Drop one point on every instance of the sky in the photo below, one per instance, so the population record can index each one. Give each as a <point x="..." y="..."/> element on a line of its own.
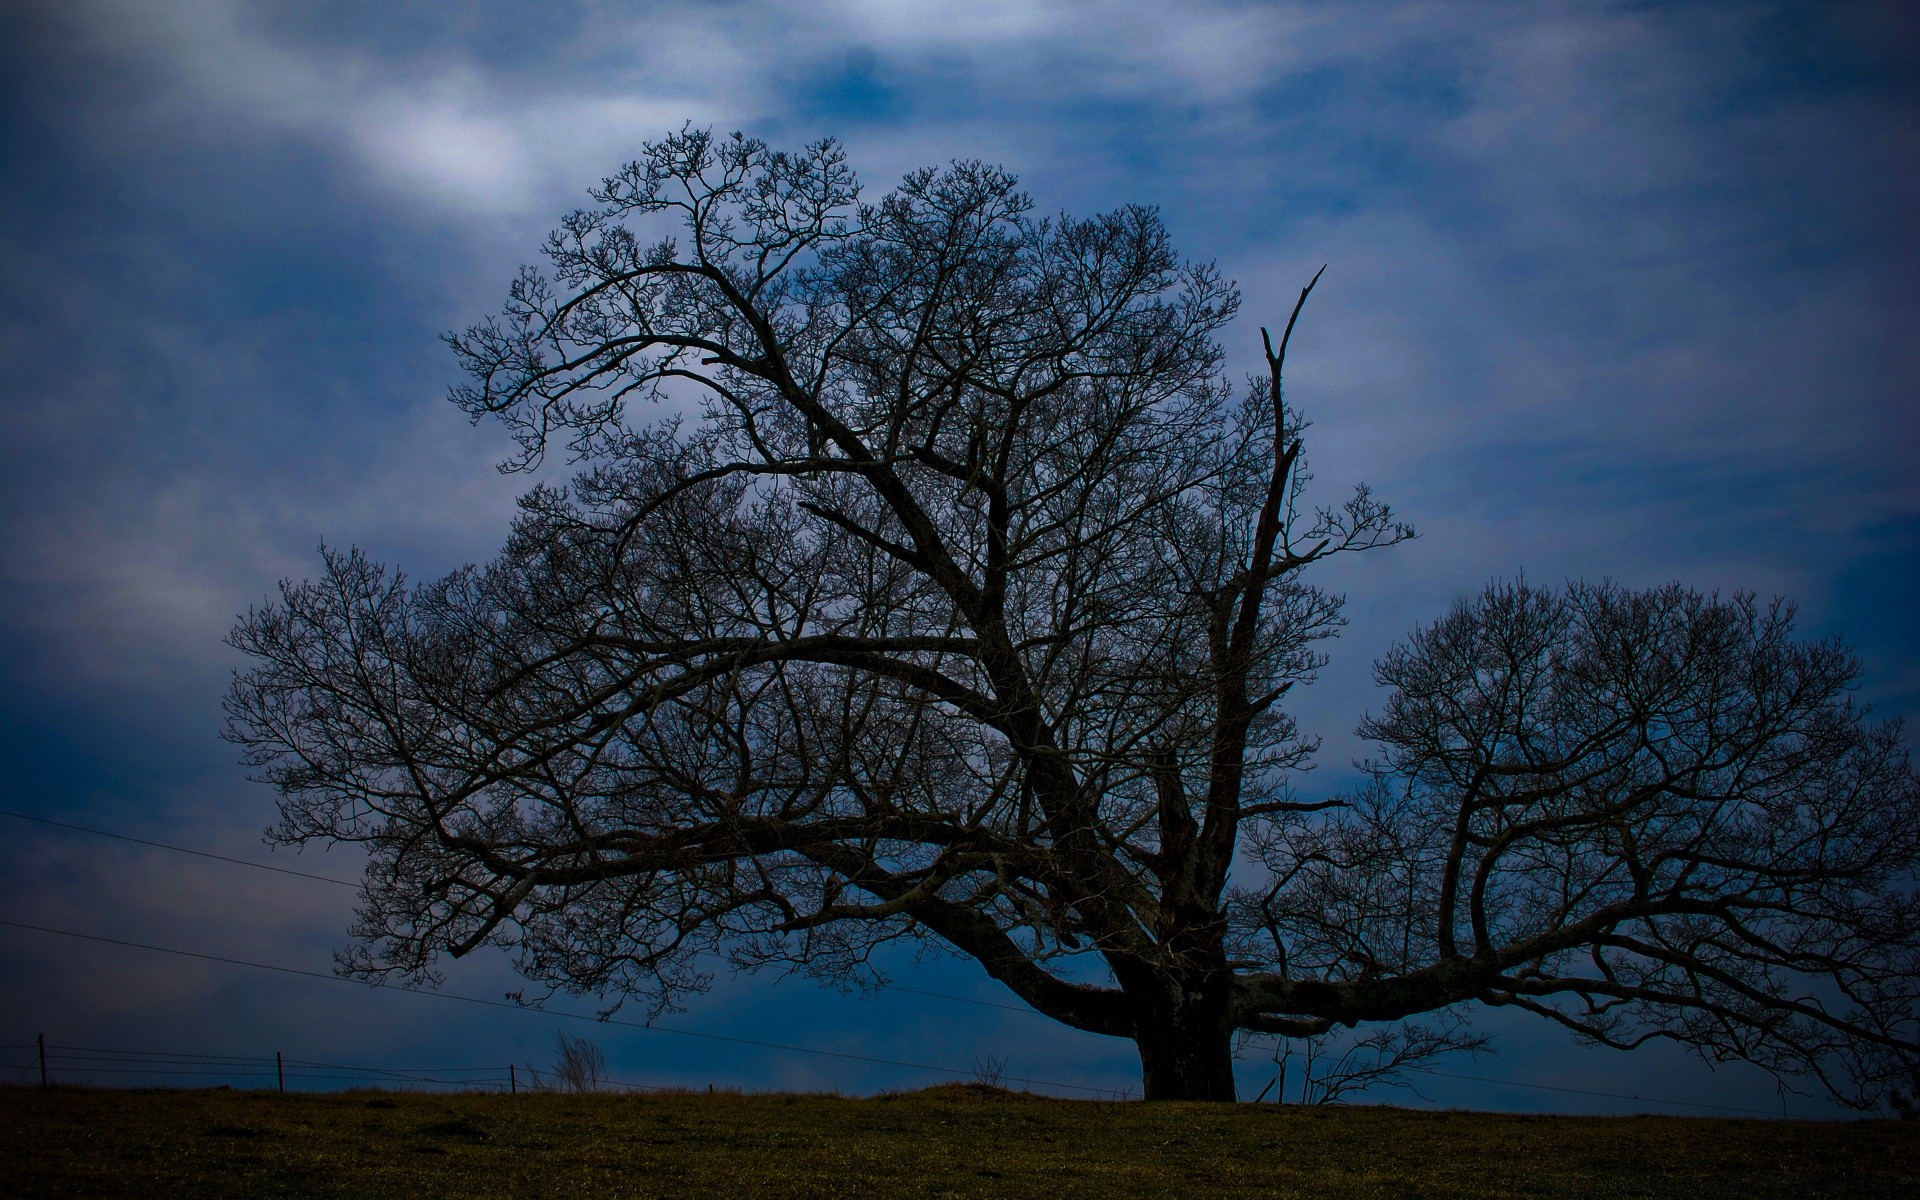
<point x="1625" y="291"/>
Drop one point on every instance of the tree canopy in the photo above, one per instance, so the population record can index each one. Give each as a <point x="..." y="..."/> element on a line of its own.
<point x="924" y="578"/>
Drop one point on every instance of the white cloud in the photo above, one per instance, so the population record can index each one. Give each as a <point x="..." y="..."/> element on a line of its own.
<point x="1167" y="53"/>
<point x="438" y="129"/>
<point x="463" y="159"/>
<point x="444" y="129"/>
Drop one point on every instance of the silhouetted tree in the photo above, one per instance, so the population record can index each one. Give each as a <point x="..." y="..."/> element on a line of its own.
<point x="958" y="607"/>
<point x="578" y="1066"/>
<point x="1640" y="815"/>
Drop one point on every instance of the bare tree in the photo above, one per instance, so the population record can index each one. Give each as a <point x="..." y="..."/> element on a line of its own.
<point x="990" y="1071"/>
<point x="578" y="1066"/>
<point x="957" y="606"/>
<point x="1637" y="814"/>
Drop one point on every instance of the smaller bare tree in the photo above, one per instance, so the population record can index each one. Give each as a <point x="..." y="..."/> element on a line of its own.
<point x="578" y="1066"/>
<point x="990" y="1070"/>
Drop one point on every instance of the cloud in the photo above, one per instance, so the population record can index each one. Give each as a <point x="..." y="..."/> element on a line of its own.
<point x="444" y="130"/>
<point x="439" y="125"/>
<point x="1173" y="55"/>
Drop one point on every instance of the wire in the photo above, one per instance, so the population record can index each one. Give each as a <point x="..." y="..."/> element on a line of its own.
<point x="89" y="1061"/>
<point x="1547" y="1087"/>
<point x="190" y="1058"/>
<point x="184" y="1070"/>
<point x="121" y="837"/>
<point x="1022" y="1009"/>
<point x="710" y="1037"/>
<point x="372" y="1077"/>
<point x="302" y="1062"/>
<point x="182" y="1062"/>
<point x="89" y="1051"/>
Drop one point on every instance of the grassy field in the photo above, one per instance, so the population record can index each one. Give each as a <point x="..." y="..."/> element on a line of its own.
<point x="955" y="1141"/>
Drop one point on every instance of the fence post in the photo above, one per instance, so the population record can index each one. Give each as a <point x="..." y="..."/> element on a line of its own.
<point x="513" y="1081"/>
<point x="280" y="1069"/>
<point x="42" y="1040"/>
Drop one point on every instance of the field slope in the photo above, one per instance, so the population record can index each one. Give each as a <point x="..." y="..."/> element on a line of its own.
<point x="957" y="1141"/>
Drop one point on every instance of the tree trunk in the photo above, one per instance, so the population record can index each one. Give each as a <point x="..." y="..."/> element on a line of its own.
<point x="1186" y="1052"/>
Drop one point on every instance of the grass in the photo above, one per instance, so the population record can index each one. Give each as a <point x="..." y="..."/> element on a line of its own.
<point x="949" y="1141"/>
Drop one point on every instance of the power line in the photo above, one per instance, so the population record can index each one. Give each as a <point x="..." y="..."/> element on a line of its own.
<point x="1022" y="1009"/>
<point x="710" y="1037"/>
<point x="89" y="1054"/>
<point x="1547" y="1087"/>
<point x="304" y="1062"/>
<point x="85" y="1061"/>
<point x="89" y="1062"/>
<point x="267" y="1072"/>
<point x="121" y="837"/>
<point x="251" y="1066"/>
<point x="109" y="1053"/>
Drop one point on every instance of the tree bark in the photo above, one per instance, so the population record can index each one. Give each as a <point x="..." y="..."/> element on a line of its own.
<point x="1186" y="1049"/>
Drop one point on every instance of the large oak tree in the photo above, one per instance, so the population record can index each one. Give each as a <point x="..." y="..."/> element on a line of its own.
<point x="957" y="602"/>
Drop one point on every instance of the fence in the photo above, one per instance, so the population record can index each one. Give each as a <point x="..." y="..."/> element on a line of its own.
<point x="50" y="1063"/>
<point x="84" y="1065"/>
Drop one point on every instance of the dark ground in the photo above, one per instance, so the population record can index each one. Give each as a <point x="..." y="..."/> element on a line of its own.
<point x="951" y="1141"/>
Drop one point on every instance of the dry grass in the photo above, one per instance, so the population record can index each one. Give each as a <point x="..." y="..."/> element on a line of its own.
<point x="952" y="1141"/>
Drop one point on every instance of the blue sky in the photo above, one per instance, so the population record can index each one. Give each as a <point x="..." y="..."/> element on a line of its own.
<point x="1620" y="290"/>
